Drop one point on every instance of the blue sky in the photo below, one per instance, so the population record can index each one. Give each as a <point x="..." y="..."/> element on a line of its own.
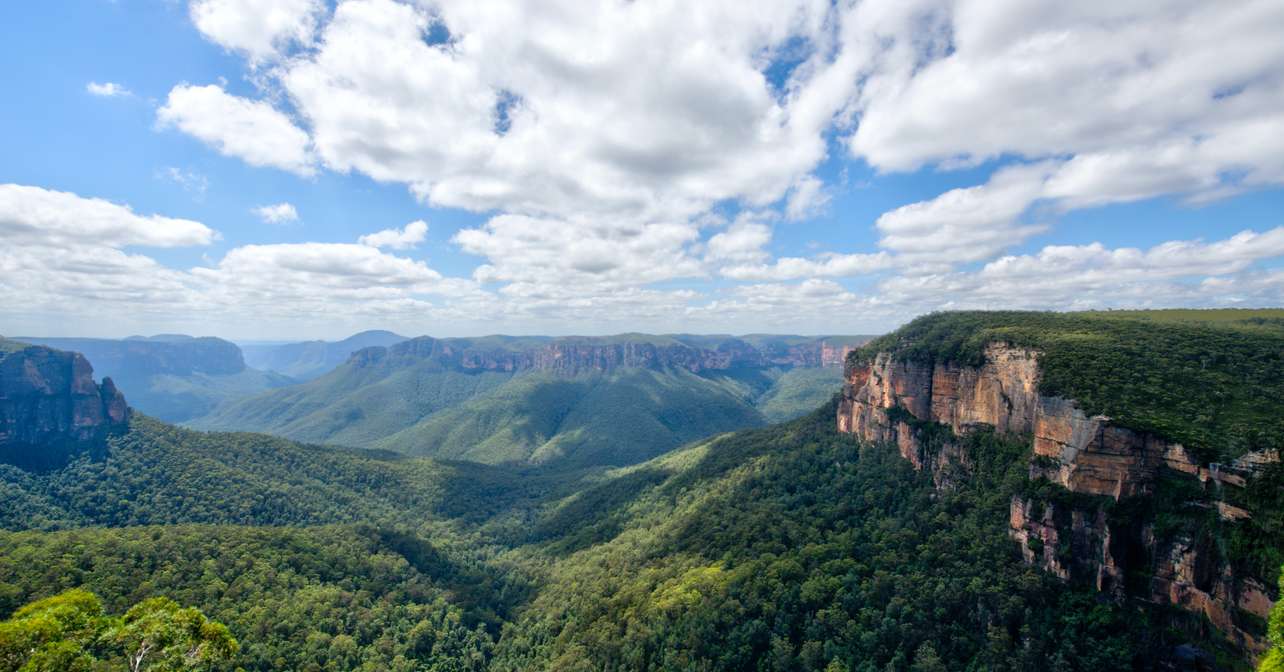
<point x="745" y="168"/>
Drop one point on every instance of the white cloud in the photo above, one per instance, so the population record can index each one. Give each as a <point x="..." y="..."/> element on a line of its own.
<point x="1105" y="103"/>
<point x="251" y="130"/>
<point x="36" y="216"/>
<point x="63" y="254"/>
<point x="280" y="213"/>
<point x="1046" y="78"/>
<point x="742" y="242"/>
<point x="584" y="134"/>
<point x="966" y="225"/>
<point x="107" y="89"/>
<point x="398" y="239"/>
<point x="590" y="256"/>
<point x="1174" y="273"/>
<point x="191" y="181"/>
<point x="600" y="180"/>
<point x="827" y="265"/>
<point x="808" y="197"/>
<point x="261" y="29"/>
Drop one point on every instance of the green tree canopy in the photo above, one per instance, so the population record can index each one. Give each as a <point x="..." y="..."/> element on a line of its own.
<point x="70" y="633"/>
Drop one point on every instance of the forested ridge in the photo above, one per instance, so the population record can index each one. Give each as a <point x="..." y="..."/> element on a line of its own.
<point x="790" y="547"/>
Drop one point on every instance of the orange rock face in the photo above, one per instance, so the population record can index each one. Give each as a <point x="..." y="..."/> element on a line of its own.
<point x="1085" y="454"/>
<point x="1090" y="455"/>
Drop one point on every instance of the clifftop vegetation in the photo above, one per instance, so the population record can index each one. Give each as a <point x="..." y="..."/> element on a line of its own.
<point x="1211" y="380"/>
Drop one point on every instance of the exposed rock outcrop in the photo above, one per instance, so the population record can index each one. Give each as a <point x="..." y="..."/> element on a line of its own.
<point x="51" y="409"/>
<point x="896" y="401"/>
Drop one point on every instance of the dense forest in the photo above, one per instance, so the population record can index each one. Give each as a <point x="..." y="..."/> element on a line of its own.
<point x="789" y="547"/>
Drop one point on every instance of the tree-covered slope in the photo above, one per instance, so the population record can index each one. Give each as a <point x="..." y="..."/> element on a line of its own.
<point x="1209" y="379"/>
<point x="319" y="598"/>
<point x="795" y="548"/>
<point x="786" y="548"/>
<point x="162" y="474"/>
<point x="623" y="417"/>
<point x="575" y="401"/>
<point x="353" y="405"/>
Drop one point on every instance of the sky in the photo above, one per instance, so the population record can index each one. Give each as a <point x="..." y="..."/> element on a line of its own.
<point x="296" y="169"/>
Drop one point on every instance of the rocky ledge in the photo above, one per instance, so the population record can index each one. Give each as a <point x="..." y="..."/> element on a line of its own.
<point x="900" y="402"/>
<point x="51" y="409"/>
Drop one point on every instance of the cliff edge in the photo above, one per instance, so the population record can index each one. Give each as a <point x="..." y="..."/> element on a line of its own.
<point x="1128" y="510"/>
<point x="50" y="407"/>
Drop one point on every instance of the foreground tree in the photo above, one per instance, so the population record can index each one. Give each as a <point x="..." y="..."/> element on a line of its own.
<point x="70" y="633"/>
<point x="1274" y="659"/>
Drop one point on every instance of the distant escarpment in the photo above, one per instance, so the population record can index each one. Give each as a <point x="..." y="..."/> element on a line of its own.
<point x="174" y="355"/>
<point x="51" y="409"/>
<point x="309" y="359"/>
<point x="171" y="377"/>
<point x="603" y="355"/>
<point x="577" y="401"/>
<point x="1127" y="491"/>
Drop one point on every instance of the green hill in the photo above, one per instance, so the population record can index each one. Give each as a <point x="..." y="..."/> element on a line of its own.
<point x="591" y="419"/>
<point x="573" y="401"/>
<point x="159" y="474"/>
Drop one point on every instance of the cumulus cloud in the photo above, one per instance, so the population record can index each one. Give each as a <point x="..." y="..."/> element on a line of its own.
<point x="64" y="252"/>
<point x="515" y="114"/>
<point x="260" y="29"/>
<point x="966" y="225"/>
<point x="827" y="265"/>
<point x="250" y="130"/>
<point x="807" y="198"/>
<point x="1174" y="273"/>
<point x="280" y="213"/>
<point x="1103" y="103"/>
<point x="107" y="89"/>
<point x="600" y="180"/>
<point x="742" y="242"/>
<point x="590" y="256"/>
<point x="37" y="216"/>
<point x="398" y="239"/>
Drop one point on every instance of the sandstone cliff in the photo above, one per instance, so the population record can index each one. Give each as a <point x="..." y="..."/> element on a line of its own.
<point x="51" y="409"/>
<point x="908" y="404"/>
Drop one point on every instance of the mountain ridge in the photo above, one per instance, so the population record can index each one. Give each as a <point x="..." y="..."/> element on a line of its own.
<point x="422" y="395"/>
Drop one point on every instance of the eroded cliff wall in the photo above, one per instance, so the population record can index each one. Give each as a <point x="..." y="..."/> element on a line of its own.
<point x="51" y="409"/>
<point x="907" y="403"/>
